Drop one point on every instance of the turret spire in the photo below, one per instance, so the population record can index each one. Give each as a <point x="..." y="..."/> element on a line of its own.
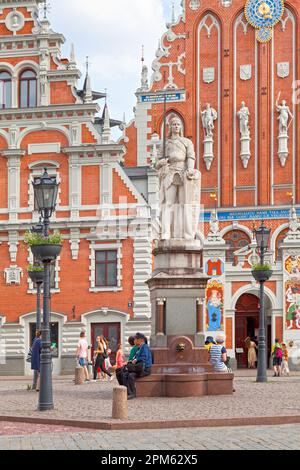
<point x="106" y="123"/>
<point x="87" y="89"/>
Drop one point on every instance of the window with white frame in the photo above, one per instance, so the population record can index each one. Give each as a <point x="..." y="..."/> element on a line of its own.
<point x="105" y="267"/>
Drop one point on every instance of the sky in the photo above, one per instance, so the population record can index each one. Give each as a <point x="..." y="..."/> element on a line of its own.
<point x="111" y="33"/>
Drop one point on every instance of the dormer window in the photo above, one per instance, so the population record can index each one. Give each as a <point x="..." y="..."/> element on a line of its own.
<point x="28" y="89"/>
<point x="5" y="90"/>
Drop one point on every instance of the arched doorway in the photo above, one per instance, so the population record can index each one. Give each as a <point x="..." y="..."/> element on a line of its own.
<point x="247" y="324"/>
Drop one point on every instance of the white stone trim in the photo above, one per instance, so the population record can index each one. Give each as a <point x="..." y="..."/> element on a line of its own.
<point x="106" y="183"/>
<point x="142" y="264"/>
<point x="275" y="234"/>
<point x="28" y="318"/>
<point x="236" y="226"/>
<point x="100" y="246"/>
<point x="54" y="147"/>
<point x="34" y="173"/>
<point x="44" y="125"/>
<point x="250" y="289"/>
<point x="105" y="315"/>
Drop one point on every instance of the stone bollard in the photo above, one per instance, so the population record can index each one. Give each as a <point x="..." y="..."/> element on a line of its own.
<point x="120" y="406"/>
<point x="79" y="375"/>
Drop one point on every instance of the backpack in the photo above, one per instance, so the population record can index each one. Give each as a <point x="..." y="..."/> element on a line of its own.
<point x="278" y="353"/>
<point x="29" y="355"/>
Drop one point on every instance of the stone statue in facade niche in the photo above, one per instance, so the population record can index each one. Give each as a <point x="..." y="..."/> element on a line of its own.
<point x="179" y="186"/>
<point x="283" y="137"/>
<point x="283" y="118"/>
<point x="209" y="115"/>
<point x="243" y="115"/>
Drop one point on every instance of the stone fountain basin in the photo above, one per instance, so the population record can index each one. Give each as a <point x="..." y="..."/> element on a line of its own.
<point x="185" y="385"/>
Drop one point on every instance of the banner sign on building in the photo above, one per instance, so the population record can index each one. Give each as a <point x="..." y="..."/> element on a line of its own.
<point x="160" y="97"/>
<point x="251" y="215"/>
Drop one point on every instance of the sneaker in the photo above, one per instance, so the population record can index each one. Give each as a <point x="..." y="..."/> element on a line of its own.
<point x="111" y="378"/>
<point x="131" y="397"/>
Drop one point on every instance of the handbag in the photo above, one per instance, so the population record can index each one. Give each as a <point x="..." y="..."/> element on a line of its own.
<point x="29" y="355"/>
<point x="137" y="368"/>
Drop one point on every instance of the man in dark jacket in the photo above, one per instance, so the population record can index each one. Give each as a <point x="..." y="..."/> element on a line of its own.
<point x="139" y="367"/>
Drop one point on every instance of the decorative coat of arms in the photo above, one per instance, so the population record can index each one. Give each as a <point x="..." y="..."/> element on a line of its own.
<point x="209" y="75"/>
<point x="283" y="69"/>
<point x="246" y="72"/>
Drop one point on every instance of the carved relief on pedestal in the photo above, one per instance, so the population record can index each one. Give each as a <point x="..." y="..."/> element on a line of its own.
<point x="13" y="275"/>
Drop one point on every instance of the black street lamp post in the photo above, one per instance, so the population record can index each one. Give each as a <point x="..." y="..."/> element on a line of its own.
<point x="38" y="228"/>
<point x="262" y="275"/>
<point x="45" y="193"/>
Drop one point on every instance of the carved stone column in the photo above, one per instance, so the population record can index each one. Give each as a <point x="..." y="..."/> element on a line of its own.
<point x="75" y="186"/>
<point x="13" y="164"/>
<point x="199" y="316"/>
<point x="160" y="312"/>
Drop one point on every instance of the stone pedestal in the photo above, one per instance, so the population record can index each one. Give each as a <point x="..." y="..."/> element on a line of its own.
<point x="208" y="153"/>
<point x="177" y="287"/>
<point x="283" y="150"/>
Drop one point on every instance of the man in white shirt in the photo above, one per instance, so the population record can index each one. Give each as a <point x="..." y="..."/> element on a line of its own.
<point x="82" y="354"/>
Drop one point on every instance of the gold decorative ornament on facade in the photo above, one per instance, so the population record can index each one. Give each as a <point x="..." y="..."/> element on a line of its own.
<point x="263" y="15"/>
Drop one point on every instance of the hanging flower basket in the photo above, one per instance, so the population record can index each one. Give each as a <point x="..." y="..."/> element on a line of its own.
<point x="46" y="252"/>
<point x="36" y="276"/>
<point x="262" y="275"/>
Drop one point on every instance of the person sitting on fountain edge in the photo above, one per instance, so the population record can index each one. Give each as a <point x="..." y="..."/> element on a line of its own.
<point x="139" y="367"/>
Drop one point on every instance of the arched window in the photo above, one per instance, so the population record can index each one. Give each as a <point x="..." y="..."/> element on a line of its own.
<point x="5" y="90"/>
<point x="278" y="245"/>
<point x="235" y="240"/>
<point x="28" y="89"/>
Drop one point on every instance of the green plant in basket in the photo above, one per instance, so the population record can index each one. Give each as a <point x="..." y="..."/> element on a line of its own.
<point x="262" y="267"/>
<point x="35" y="268"/>
<point x="32" y="239"/>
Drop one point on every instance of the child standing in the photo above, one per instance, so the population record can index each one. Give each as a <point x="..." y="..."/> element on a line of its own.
<point x="285" y="360"/>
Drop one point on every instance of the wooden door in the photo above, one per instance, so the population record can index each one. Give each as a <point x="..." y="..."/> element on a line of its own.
<point x="246" y="322"/>
<point x="110" y="331"/>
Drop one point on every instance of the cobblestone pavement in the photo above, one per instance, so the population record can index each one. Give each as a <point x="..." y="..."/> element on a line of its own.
<point x="92" y="401"/>
<point x="19" y="429"/>
<point x="237" y="438"/>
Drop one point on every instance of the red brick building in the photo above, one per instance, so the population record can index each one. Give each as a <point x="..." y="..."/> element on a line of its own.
<point x="108" y="191"/>
<point x="46" y="121"/>
<point x="250" y="160"/>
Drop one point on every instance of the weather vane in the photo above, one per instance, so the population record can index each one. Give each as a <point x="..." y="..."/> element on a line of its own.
<point x="45" y="8"/>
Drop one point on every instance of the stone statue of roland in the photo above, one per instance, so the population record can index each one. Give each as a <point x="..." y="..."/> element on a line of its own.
<point x="180" y="186"/>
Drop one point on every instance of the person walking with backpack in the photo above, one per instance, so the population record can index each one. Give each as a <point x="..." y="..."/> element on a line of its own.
<point x="277" y="354"/>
